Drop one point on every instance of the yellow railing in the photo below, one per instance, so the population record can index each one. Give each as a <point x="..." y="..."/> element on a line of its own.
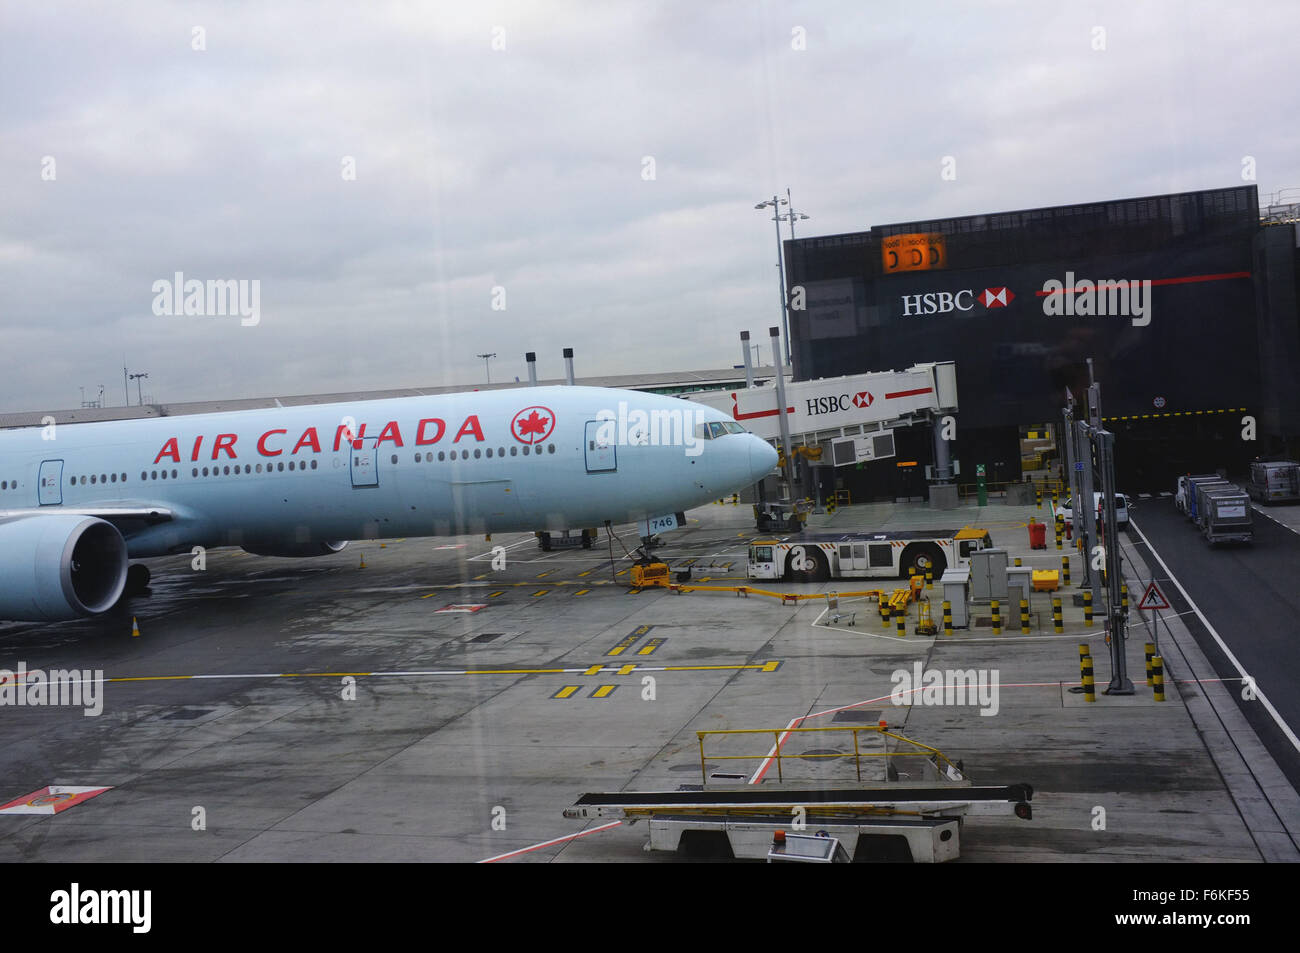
<point x="858" y="753"/>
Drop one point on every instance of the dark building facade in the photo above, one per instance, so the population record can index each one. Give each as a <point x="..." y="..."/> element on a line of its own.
<point x="1021" y="300"/>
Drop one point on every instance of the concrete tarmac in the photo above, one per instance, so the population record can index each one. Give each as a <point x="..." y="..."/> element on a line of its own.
<point x="432" y="707"/>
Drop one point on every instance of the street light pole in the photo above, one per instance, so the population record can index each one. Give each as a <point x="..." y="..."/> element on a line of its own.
<point x="776" y="204"/>
<point x="486" y="366"/>
<point x="139" y="386"/>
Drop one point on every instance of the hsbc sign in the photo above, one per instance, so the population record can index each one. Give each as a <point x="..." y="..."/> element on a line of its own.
<point x="943" y="302"/>
<point x="838" y="402"/>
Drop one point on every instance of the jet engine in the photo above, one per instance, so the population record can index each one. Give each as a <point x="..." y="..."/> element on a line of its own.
<point x="56" y="566"/>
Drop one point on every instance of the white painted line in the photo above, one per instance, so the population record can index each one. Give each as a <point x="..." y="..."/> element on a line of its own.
<point x="548" y="843"/>
<point x="1259" y="692"/>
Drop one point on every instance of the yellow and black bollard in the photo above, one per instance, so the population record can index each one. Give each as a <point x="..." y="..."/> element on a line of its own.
<point x="1123" y="594"/>
<point x="884" y="612"/>
<point x="1087" y="608"/>
<point x="997" y="619"/>
<point x="947" y="617"/>
<point x="1085" y="671"/>
<point x="1065" y="570"/>
<point x="1058" y="616"/>
<point x="1024" y="616"/>
<point x="735" y="499"/>
<point x="1058" y="534"/>
<point x="1038" y="496"/>
<point x="900" y="619"/>
<point x="1150" y="651"/>
<point x="1017" y="560"/>
<point x="929" y="579"/>
<point x="1158" y="677"/>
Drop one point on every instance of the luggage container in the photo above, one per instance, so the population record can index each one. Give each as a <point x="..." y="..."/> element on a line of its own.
<point x="1225" y="516"/>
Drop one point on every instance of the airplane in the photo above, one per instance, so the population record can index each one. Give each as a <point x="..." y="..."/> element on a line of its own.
<point x="79" y="501"/>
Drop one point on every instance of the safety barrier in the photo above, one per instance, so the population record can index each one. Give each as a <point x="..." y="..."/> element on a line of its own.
<point x="933" y="755"/>
<point x="1085" y="673"/>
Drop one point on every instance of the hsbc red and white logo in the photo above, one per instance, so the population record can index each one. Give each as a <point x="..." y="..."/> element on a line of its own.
<point x="943" y="302"/>
<point x="996" y="297"/>
<point x="862" y="399"/>
<point x="532" y="424"/>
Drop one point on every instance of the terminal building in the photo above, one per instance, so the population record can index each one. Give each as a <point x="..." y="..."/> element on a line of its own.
<point x="1186" y="304"/>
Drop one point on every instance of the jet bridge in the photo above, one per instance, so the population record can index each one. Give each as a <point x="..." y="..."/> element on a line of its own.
<point x="838" y="421"/>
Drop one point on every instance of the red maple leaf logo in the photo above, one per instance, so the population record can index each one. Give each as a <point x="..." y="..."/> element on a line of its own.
<point x="534" y="423"/>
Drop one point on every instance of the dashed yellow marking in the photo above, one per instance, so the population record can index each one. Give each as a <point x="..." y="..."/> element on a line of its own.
<point x="492" y="595"/>
<point x="481" y="576"/>
<point x="594" y="670"/>
<point x="587" y="573"/>
<point x="649" y="647"/>
<point x="428" y="594"/>
<point x="541" y="592"/>
<point x="582" y="592"/>
<point x="633" y="592"/>
<point x="604" y="691"/>
<point x="771" y="666"/>
<point x="621" y="572"/>
<point x="566" y="691"/>
<point x="626" y="669"/>
<point x="547" y="573"/>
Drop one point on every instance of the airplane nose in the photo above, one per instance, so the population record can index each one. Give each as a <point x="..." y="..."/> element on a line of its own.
<point x="762" y="458"/>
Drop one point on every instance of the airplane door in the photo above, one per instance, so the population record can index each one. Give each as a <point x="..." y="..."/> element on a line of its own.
<point x="365" y="465"/>
<point x="601" y="456"/>
<point x="50" y="491"/>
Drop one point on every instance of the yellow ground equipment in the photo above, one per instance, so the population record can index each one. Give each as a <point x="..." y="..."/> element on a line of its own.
<point x="649" y="574"/>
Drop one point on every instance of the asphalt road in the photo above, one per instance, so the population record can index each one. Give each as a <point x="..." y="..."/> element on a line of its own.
<point x="1251" y="596"/>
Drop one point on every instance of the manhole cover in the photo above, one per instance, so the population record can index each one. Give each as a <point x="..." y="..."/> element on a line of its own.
<point x="811" y="753"/>
<point x="487" y="637"/>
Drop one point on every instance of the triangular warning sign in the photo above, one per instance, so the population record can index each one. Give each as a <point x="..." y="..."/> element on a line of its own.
<point x="1153" y="598"/>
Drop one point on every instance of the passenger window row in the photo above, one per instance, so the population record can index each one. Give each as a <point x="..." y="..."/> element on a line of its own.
<point x="478" y="454"/>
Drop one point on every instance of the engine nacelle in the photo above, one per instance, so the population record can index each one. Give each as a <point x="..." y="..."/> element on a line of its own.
<point x="56" y="566"/>
<point x="293" y="550"/>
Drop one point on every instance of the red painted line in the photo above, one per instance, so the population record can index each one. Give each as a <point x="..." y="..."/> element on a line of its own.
<point x="558" y="840"/>
<point x="737" y="415"/>
<point x="908" y="393"/>
<point x="1124" y="283"/>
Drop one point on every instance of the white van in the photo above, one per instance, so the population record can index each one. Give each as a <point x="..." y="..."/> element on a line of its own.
<point x="1066" y="509"/>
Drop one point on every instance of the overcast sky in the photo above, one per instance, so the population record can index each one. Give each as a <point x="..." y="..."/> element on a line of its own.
<point x="509" y="146"/>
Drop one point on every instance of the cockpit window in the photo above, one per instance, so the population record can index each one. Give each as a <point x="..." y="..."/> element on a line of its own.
<point x="716" y="429"/>
<point x="733" y="427"/>
<point x="702" y="432"/>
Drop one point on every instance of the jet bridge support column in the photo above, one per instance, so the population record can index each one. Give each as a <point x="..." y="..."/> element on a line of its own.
<point x="788" y="468"/>
<point x="943" y="492"/>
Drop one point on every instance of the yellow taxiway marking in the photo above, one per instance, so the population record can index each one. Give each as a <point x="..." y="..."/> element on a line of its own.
<point x="649" y="647"/>
<point x="604" y="691"/>
<point x="582" y="592"/>
<point x="494" y="594"/>
<point x="587" y="573"/>
<point x="541" y="592"/>
<point x="626" y="669"/>
<point x="428" y="594"/>
<point x="594" y="670"/>
<point x="481" y="576"/>
<point x="566" y="691"/>
<point x="620" y="572"/>
<point x="547" y="573"/>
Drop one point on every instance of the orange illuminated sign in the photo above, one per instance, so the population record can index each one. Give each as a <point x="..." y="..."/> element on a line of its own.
<point x="913" y="252"/>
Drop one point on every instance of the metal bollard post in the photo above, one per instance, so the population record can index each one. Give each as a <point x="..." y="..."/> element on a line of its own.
<point x="900" y="619"/>
<point x="1065" y="570"/>
<point x="1150" y="651"/>
<point x="1085" y="670"/>
<point x="884" y="612"/>
<point x="1024" y="616"/>
<point x="1017" y="560"/>
<point x="1058" y="534"/>
<point x="1087" y="608"/>
<point x="929" y="579"/>
<point x="997" y="619"/>
<point x="1058" y="615"/>
<point x="1158" y="677"/>
<point x="1038" y="496"/>
<point x="1123" y="595"/>
<point x="947" y="617"/>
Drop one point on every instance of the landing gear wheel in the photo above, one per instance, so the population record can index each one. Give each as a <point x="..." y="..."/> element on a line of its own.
<point x="137" y="580"/>
<point x="544" y="541"/>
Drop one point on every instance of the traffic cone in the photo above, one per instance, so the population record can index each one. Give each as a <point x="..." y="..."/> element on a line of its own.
<point x="363" y="561"/>
<point x="135" y="628"/>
